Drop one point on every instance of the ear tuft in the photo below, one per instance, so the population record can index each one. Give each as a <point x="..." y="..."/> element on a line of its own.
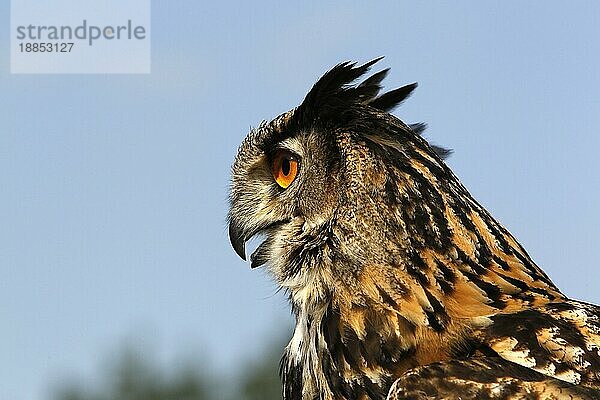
<point x="392" y="99"/>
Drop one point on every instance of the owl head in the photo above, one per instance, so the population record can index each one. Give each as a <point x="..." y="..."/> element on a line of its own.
<point x="337" y="181"/>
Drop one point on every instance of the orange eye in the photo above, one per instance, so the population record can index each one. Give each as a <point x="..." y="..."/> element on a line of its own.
<point x="285" y="168"/>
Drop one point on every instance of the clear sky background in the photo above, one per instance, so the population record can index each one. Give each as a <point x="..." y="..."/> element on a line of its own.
<point x="113" y="187"/>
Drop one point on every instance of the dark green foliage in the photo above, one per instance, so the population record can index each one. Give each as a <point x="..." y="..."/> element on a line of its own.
<point x="261" y="377"/>
<point x="134" y="376"/>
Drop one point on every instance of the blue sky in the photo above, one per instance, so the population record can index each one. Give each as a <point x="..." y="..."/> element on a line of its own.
<point x="113" y="187"/>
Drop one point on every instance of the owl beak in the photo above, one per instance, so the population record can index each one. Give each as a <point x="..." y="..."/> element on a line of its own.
<point x="238" y="240"/>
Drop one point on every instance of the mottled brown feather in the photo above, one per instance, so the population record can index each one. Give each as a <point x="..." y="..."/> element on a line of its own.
<point x="393" y="271"/>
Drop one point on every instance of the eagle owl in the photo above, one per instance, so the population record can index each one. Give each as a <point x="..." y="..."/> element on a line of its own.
<point x="402" y="285"/>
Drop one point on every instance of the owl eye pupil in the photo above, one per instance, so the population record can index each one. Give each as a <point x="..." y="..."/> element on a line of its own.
<point x="285" y="166"/>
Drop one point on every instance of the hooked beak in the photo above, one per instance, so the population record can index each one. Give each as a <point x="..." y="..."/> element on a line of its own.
<point x="238" y="239"/>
